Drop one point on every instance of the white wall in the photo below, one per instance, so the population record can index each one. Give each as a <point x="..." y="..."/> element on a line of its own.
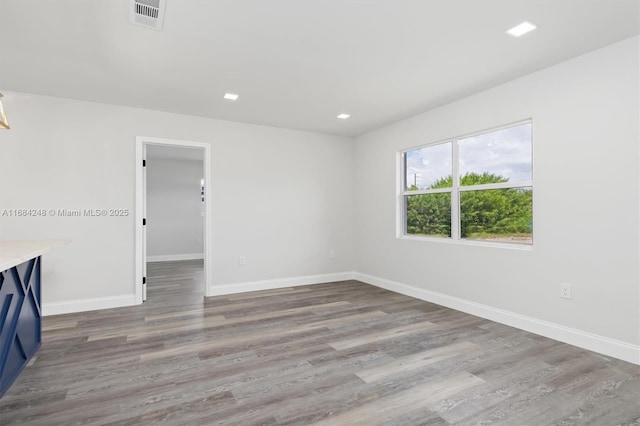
<point x="175" y="222"/>
<point x="586" y="160"/>
<point x="281" y="198"/>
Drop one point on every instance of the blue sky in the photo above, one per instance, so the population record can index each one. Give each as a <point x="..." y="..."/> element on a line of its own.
<point x="505" y="152"/>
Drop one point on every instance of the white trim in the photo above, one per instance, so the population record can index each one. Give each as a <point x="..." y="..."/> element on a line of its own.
<point x="139" y="214"/>
<point x="82" y="305"/>
<point x="500" y="185"/>
<point x="175" y="257"/>
<point x="454" y="203"/>
<point x="593" y="342"/>
<point x="400" y="200"/>
<point x="223" y="289"/>
<point x="468" y="242"/>
<point x="208" y="231"/>
<point x="427" y="191"/>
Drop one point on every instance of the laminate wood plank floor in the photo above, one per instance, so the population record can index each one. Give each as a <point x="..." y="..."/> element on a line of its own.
<point x="342" y="353"/>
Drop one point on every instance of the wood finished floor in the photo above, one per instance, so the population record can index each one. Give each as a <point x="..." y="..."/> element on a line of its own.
<point x="342" y="353"/>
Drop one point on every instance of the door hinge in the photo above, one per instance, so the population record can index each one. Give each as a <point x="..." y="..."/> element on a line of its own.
<point x="144" y="163"/>
<point x="144" y="280"/>
<point x="144" y="221"/>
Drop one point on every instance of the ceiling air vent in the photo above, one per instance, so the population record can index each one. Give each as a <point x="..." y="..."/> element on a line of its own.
<point x="147" y="13"/>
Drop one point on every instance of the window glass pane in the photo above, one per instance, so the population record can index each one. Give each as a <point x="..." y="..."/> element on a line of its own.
<point x="429" y="214"/>
<point x="501" y="156"/>
<point x="428" y="167"/>
<point x="503" y="215"/>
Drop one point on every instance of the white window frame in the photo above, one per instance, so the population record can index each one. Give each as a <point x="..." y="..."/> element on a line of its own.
<point x="454" y="190"/>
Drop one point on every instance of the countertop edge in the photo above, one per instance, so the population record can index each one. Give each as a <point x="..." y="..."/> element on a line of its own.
<point x="15" y="252"/>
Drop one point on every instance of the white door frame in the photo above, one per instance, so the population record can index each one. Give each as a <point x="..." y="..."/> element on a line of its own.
<point x="141" y="141"/>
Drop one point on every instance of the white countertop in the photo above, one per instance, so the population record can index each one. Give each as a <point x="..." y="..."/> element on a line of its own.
<point x="13" y="253"/>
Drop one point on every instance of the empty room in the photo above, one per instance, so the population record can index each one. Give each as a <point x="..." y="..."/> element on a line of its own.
<point x="320" y="212"/>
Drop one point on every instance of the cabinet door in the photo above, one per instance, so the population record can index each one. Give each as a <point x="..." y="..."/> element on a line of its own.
<point x="20" y="319"/>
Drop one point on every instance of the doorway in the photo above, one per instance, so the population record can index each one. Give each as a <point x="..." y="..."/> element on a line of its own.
<point x="143" y="144"/>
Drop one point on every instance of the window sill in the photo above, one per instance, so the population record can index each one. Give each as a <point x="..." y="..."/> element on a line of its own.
<point x="489" y="244"/>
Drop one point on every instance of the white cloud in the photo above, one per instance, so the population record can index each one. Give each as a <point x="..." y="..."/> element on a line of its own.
<point x="505" y="152"/>
<point x="426" y="165"/>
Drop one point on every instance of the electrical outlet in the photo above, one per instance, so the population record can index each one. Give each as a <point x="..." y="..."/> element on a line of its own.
<point x="242" y="261"/>
<point x="565" y="290"/>
<point x="332" y="254"/>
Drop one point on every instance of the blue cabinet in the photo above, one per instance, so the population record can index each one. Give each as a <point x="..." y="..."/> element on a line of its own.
<point x="20" y="319"/>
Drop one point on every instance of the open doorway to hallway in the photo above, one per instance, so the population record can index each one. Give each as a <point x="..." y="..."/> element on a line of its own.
<point x="175" y="213"/>
<point x="173" y="229"/>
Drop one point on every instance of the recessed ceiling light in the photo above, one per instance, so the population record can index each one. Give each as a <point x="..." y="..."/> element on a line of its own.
<point x="231" y="96"/>
<point x="344" y="116"/>
<point x="521" y="29"/>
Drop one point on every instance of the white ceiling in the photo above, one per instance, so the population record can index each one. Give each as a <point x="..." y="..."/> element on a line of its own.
<point x="295" y="63"/>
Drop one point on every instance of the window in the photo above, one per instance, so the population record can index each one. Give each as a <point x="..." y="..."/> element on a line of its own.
<point x="477" y="187"/>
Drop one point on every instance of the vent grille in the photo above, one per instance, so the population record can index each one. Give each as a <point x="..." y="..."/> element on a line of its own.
<point x="147" y="13"/>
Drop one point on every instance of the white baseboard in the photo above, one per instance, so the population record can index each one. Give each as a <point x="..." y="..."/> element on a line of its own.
<point x="81" y="305"/>
<point x="593" y="342"/>
<point x="220" y="290"/>
<point x="174" y="257"/>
